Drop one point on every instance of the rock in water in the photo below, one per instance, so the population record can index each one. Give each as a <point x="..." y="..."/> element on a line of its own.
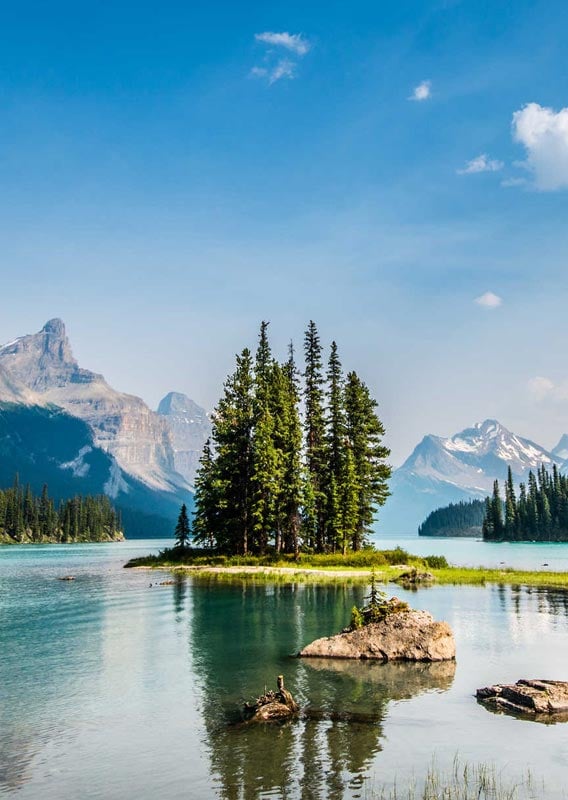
<point x="411" y="636"/>
<point x="536" y="697"/>
<point x="272" y="706"/>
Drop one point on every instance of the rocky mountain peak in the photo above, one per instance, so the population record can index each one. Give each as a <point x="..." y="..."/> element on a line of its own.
<point x="54" y="327"/>
<point x="177" y="403"/>
<point x="44" y="360"/>
<point x="561" y="449"/>
<point x="190" y="427"/>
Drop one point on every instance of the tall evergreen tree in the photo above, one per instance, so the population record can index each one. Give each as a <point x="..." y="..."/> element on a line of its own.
<point x="232" y="432"/>
<point x="182" y="530"/>
<point x="336" y="446"/>
<point x="265" y="456"/>
<point x="316" y="456"/>
<point x="365" y="432"/>
<point x="510" y="506"/>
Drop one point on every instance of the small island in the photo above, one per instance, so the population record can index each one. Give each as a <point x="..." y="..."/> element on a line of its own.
<point x="26" y="518"/>
<point x="387" y="630"/>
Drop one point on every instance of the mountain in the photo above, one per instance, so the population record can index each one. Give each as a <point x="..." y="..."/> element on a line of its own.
<point x="123" y="448"/>
<point x="561" y="449"/>
<point x="190" y="428"/>
<point x="44" y="444"/>
<point x="42" y="365"/>
<point x="441" y="471"/>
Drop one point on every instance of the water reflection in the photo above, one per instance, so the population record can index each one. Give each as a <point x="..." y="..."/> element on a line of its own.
<point x="241" y="636"/>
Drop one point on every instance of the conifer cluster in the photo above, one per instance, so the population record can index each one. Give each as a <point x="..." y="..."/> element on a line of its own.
<point x="455" y="519"/>
<point x="291" y="465"/>
<point x="539" y="512"/>
<point x="25" y="517"/>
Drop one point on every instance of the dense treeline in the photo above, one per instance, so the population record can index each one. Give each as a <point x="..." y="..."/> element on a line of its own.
<point x="25" y="517"/>
<point x="291" y="466"/>
<point x="458" y="519"/>
<point x="539" y="512"/>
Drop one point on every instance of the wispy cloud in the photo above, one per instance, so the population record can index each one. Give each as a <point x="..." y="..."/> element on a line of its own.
<point x="541" y="388"/>
<point x="290" y="41"/>
<point x="481" y="163"/>
<point x="544" y="134"/>
<point x="489" y="300"/>
<point x="422" y="92"/>
<point x="276" y="65"/>
<point x="508" y="183"/>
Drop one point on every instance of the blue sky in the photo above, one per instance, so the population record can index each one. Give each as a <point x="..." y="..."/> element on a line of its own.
<point x="173" y="173"/>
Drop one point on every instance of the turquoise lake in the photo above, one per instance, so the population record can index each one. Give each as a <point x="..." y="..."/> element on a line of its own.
<point x="114" y="686"/>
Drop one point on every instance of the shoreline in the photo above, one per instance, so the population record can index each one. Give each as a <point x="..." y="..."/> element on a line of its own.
<point x="466" y="576"/>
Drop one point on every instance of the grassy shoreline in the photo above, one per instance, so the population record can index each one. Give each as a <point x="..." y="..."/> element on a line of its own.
<point x="389" y="566"/>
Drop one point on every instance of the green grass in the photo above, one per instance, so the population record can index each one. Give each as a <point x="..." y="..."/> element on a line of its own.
<point x="383" y="561"/>
<point x="465" y="782"/>
<point x="515" y="577"/>
<point x="364" y="559"/>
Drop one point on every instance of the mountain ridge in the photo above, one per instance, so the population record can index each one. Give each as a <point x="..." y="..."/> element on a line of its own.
<point x="442" y="470"/>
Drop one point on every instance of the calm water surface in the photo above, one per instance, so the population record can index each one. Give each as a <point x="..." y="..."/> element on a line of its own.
<point x="112" y="688"/>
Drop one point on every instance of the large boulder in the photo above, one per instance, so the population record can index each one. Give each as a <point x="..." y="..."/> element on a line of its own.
<point x="535" y="697"/>
<point x="409" y="636"/>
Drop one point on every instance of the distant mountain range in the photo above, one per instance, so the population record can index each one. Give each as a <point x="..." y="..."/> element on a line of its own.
<point x="441" y="471"/>
<point x="144" y="460"/>
<point x="64" y="425"/>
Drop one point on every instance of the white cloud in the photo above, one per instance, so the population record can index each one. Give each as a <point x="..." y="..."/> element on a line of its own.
<point x="542" y="388"/>
<point x="489" y="300"/>
<point x="544" y="134"/>
<point x="275" y="66"/>
<point x="284" y="68"/>
<point x="291" y="41"/>
<point x="481" y="164"/>
<point x="422" y="92"/>
<point x="509" y="182"/>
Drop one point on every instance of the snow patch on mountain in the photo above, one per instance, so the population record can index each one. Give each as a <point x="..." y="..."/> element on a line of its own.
<point x="78" y="466"/>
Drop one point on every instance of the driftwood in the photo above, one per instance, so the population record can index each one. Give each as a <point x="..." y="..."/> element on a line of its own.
<point x="271" y="705"/>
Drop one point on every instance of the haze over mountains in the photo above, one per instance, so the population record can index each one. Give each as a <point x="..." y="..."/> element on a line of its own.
<point x="64" y="425"/>
<point x="148" y="456"/>
<point x="441" y="470"/>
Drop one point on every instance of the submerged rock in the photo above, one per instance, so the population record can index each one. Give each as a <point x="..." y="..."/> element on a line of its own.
<point x="408" y="636"/>
<point x="414" y="578"/>
<point x="272" y="706"/>
<point x="535" y="697"/>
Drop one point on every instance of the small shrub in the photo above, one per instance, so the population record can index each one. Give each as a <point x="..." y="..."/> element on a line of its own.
<point x="436" y="562"/>
<point x="357" y="620"/>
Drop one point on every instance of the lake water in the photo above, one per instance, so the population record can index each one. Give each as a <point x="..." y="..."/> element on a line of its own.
<point x="112" y="688"/>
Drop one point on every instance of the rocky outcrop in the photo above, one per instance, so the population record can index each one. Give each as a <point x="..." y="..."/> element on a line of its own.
<point x="272" y="706"/>
<point x="189" y="428"/>
<point x="409" y="636"/>
<point x="535" y="697"/>
<point x="42" y="365"/>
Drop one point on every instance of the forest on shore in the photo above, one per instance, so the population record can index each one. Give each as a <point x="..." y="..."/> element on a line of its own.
<point x="296" y="461"/>
<point x="538" y="513"/>
<point x="29" y="518"/>
<point x="456" y="519"/>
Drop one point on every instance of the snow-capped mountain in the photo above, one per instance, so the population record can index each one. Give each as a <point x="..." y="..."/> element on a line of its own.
<point x="190" y="427"/>
<point x="42" y="364"/>
<point x="124" y="448"/>
<point x="441" y="471"/>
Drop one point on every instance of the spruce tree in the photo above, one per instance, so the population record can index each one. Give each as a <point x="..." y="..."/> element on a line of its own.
<point x="335" y="446"/>
<point x="510" y="507"/>
<point x="365" y="432"/>
<point x="265" y="464"/>
<point x="182" y="530"/>
<point x="315" y="437"/>
<point x="232" y="432"/>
